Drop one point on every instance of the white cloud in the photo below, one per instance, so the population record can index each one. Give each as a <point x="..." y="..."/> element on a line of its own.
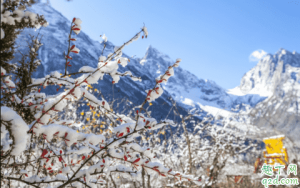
<point x="257" y="55"/>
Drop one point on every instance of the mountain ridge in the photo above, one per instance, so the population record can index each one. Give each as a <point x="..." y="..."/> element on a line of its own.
<point x="274" y="67"/>
<point x="186" y="88"/>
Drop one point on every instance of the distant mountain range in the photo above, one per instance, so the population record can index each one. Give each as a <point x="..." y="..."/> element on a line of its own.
<point x="188" y="90"/>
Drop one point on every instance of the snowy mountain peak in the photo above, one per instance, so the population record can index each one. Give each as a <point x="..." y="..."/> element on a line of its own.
<point x="154" y="54"/>
<point x="269" y="72"/>
<point x="152" y="51"/>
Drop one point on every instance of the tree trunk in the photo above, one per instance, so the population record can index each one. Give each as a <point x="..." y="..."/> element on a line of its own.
<point x="143" y="177"/>
<point x="189" y="146"/>
<point x="113" y="181"/>
<point x="149" y="186"/>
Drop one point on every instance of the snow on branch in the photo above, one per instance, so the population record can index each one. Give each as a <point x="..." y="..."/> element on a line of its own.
<point x="61" y="147"/>
<point x="17" y="129"/>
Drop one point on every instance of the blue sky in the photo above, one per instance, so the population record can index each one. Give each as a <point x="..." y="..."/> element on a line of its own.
<point x="214" y="38"/>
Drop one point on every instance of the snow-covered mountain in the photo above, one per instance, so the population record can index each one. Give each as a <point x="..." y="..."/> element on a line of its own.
<point x="278" y="77"/>
<point x="51" y="54"/>
<point x="184" y="86"/>
<point x="190" y="91"/>
<point x="264" y="78"/>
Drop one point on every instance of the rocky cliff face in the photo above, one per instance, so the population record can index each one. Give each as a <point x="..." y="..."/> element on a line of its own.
<point x="264" y="78"/>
